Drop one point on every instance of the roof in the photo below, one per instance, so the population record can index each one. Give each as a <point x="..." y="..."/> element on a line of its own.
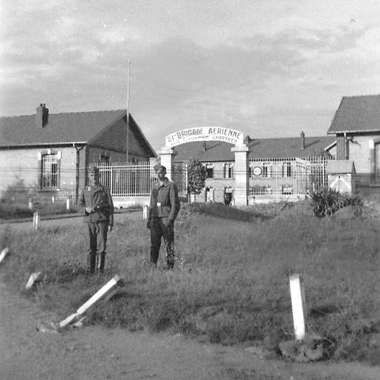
<point x="357" y="114"/>
<point x="340" y="167"/>
<point x="62" y="128"/>
<point x="259" y="148"/>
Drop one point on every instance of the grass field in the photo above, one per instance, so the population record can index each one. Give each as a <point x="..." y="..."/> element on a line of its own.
<point x="231" y="280"/>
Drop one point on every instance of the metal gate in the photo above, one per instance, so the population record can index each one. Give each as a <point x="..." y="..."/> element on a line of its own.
<point x="127" y="180"/>
<point x="136" y="180"/>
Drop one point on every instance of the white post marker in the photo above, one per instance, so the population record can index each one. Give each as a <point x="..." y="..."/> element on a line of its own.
<point x="145" y="212"/>
<point x="33" y="279"/>
<point x="68" y="204"/>
<point x="297" y="294"/>
<point x="103" y="292"/>
<point x="36" y="220"/>
<point x="4" y="252"/>
<point x="30" y="204"/>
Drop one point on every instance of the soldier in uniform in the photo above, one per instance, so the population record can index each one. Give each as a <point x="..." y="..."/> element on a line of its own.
<point x="163" y="210"/>
<point x="97" y="206"/>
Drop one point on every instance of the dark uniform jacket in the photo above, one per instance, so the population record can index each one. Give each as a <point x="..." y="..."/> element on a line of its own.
<point x="99" y="198"/>
<point x="164" y="201"/>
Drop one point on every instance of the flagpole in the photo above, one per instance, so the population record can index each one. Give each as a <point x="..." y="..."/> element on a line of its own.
<point x="127" y="138"/>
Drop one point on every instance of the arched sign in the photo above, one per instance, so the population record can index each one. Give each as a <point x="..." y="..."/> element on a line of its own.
<point x="204" y="134"/>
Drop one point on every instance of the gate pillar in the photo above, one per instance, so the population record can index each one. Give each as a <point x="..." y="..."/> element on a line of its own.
<point x="166" y="154"/>
<point x="241" y="174"/>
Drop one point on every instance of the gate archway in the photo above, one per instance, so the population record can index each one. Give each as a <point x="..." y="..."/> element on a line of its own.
<point x="210" y="133"/>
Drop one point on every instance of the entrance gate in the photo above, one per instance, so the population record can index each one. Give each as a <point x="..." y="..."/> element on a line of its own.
<point x="131" y="184"/>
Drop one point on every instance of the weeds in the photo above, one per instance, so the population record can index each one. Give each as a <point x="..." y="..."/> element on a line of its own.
<point x="230" y="284"/>
<point x="328" y="201"/>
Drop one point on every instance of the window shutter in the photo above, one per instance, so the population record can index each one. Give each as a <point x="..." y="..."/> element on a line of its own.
<point x="39" y="170"/>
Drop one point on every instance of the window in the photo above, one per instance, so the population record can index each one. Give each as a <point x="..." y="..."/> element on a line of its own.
<point x="49" y="170"/>
<point x="228" y="170"/>
<point x="287" y="169"/>
<point x="267" y="169"/>
<point x="210" y="170"/>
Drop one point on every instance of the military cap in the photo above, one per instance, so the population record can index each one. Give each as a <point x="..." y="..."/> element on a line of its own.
<point x="158" y="167"/>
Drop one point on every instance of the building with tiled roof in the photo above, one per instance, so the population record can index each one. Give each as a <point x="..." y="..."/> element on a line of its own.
<point x="50" y="153"/>
<point x="258" y="148"/>
<point x="277" y="167"/>
<point x="356" y="127"/>
<point x="357" y="114"/>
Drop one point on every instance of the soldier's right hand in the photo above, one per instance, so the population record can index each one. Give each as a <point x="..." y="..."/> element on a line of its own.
<point x="89" y="210"/>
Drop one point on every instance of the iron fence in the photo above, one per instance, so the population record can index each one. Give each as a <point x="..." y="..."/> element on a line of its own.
<point x="134" y="180"/>
<point x="287" y="176"/>
<point x="128" y="180"/>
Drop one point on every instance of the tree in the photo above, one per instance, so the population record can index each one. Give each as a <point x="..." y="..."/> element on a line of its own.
<point x="196" y="176"/>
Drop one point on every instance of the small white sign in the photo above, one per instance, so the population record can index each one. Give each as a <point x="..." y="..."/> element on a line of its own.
<point x="205" y="134"/>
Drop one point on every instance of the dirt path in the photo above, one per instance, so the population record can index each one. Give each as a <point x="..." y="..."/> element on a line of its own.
<point x="96" y="353"/>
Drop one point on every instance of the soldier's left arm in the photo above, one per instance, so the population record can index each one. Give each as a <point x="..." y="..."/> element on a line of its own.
<point x="174" y="201"/>
<point x="111" y="209"/>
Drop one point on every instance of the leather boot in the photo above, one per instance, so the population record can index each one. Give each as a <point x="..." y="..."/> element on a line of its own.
<point x="101" y="262"/>
<point x="91" y="262"/>
<point x="170" y="263"/>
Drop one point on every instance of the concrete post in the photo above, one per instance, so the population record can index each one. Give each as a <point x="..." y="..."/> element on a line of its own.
<point x="145" y="212"/>
<point x="241" y="174"/>
<point x="36" y="221"/>
<point x="167" y="153"/>
<point x="297" y="294"/>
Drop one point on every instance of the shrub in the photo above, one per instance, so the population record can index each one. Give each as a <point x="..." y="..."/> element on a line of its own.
<point x="328" y="201"/>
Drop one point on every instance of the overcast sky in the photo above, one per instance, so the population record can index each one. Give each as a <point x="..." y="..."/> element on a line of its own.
<point x="268" y="68"/>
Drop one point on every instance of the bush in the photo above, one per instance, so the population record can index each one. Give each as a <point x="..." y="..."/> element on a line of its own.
<point x="329" y="201"/>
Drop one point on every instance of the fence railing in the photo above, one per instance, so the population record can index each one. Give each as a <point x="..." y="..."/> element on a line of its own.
<point x="287" y="176"/>
<point x="134" y="180"/>
<point x="267" y="176"/>
<point x="128" y="180"/>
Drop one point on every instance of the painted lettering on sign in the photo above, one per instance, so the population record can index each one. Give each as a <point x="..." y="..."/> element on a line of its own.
<point x="204" y="134"/>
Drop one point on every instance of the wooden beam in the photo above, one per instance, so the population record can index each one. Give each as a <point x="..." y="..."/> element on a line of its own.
<point x="107" y="291"/>
<point x="4" y="253"/>
<point x="33" y="279"/>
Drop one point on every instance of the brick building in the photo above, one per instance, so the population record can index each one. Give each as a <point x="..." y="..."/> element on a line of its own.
<point x="49" y="153"/>
<point x="276" y="169"/>
<point x="356" y="126"/>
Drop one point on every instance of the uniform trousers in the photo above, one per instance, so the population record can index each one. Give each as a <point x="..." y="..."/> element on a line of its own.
<point x="162" y="228"/>
<point x="97" y="235"/>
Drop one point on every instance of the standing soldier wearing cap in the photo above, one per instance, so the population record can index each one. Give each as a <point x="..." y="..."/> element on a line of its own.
<point x="164" y="208"/>
<point x="97" y="205"/>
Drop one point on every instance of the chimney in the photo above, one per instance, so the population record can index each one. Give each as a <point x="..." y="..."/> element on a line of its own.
<point x="302" y="140"/>
<point x="42" y="116"/>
